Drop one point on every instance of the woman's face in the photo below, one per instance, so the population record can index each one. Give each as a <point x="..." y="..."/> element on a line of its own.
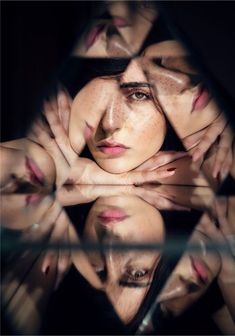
<point x="191" y="277"/>
<point x="25" y="167"/>
<point x="121" y="33"/>
<point x="26" y="176"/>
<point x="124" y="125"/>
<point x="126" y="275"/>
<point x="178" y="88"/>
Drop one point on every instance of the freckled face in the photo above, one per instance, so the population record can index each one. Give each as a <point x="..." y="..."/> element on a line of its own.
<point x="120" y="35"/>
<point x="188" y="105"/>
<point x="125" y="220"/>
<point x="126" y="126"/>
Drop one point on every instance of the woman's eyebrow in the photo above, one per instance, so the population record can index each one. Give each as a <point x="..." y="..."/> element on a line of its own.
<point x="124" y="283"/>
<point x="134" y="85"/>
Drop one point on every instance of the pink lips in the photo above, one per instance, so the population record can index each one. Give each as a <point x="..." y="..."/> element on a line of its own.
<point x="119" y="22"/>
<point x="201" y="99"/>
<point x="36" y="176"/>
<point x="200" y="269"/>
<point x="112" y="216"/>
<point x="93" y="35"/>
<point x="32" y="199"/>
<point x="113" y="148"/>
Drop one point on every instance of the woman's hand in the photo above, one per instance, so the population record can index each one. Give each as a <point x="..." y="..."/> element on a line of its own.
<point x="52" y="229"/>
<point x="220" y="228"/>
<point x="219" y="134"/>
<point x="51" y="135"/>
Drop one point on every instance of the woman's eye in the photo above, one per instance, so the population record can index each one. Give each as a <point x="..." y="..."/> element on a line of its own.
<point x="139" y="96"/>
<point x="138" y="274"/>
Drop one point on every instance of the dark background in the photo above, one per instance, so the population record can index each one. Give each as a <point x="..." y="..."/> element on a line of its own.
<point x="38" y="36"/>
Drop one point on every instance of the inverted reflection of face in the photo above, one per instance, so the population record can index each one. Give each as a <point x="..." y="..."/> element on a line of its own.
<point x="120" y="32"/>
<point x="127" y="113"/>
<point x="126" y="275"/>
<point x="188" y="105"/>
<point x="25" y="167"/>
<point x="191" y="277"/>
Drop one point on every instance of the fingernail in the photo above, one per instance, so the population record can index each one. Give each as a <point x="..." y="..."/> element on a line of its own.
<point x="171" y="169"/>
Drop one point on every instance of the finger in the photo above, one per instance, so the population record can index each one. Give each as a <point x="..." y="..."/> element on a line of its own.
<point x="64" y="108"/>
<point x="161" y="159"/>
<point x="221" y="206"/>
<point x="57" y="235"/>
<point x="224" y="146"/>
<point x="59" y="132"/>
<point x="226" y="166"/>
<point x="153" y="197"/>
<point x="155" y="176"/>
<point x="213" y="131"/>
<point x="64" y="261"/>
<point x="193" y="140"/>
<point x="50" y="145"/>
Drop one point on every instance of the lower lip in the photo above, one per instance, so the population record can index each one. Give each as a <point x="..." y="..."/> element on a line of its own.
<point x="119" y="22"/>
<point x="112" y="216"/>
<point x="112" y="150"/>
<point x="201" y="101"/>
<point x="36" y="176"/>
<point x="200" y="269"/>
<point x="32" y="199"/>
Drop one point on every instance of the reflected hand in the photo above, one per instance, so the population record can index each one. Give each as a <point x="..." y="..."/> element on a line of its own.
<point x="220" y="228"/>
<point x="52" y="228"/>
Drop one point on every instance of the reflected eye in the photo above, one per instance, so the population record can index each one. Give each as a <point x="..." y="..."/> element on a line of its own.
<point x="137" y="274"/>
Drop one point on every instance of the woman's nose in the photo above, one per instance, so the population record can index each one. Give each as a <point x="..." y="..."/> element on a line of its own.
<point x="113" y="117"/>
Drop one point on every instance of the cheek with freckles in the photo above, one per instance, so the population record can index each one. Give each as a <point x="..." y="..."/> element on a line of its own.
<point x="144" y="141"/>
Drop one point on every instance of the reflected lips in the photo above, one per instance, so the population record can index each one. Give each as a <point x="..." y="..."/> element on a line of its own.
<point x="36" y="176"/>
<point x="201" y="99"/>
<point x="112" y="216"/>
<point x="200" y="269"/>
<point x="120" y="22"/>
<point x="111" y="147"/>
<point x="93" y="34"/>
<point x="32" y="199"/>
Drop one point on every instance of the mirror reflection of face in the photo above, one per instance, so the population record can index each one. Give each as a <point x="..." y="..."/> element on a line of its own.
<point x="25" y="167"/>
<point x="120" y="32"/>
<point x="191" y="278"/>
<point x="22" y="211"/>
<point x="126" y="275"/>
<point x="130" y="128"/>
<point x="182" y="95"/>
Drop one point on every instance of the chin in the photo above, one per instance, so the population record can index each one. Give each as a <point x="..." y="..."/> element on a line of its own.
<point x="116" y="166"/>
